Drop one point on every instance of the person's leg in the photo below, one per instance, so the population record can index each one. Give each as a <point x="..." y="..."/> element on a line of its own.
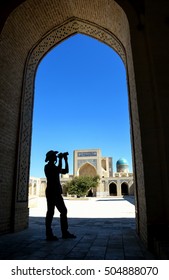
<point x="60" y="205"/>
<point x="63" y="218"/>
<point x="49" y="218"/>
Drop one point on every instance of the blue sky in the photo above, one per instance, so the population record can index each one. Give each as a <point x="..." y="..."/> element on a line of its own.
<point x="81" y="102"/>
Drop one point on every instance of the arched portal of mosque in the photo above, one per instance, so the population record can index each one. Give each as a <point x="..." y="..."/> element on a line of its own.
<point x="87" y="169"/>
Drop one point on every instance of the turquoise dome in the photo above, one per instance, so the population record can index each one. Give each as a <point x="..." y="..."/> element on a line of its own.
<point x="122" y="161"/>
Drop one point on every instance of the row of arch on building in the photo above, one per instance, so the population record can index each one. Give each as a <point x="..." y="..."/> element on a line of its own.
<point x="113" y="189"/>
<point x="37" y="187"/>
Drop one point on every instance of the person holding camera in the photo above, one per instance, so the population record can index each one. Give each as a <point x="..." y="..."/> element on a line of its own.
<point x="54" y="193"/>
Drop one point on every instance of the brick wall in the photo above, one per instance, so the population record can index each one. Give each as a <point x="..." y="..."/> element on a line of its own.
<point x="23" y="42"/>
<point x="23" y="45"/>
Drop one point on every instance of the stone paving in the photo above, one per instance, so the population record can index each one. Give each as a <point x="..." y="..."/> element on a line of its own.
<point x="105" y="230"/>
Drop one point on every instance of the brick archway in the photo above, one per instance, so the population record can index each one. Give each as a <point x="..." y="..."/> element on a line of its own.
<point x="53" y="38"/>
<point x="108" y="24"/>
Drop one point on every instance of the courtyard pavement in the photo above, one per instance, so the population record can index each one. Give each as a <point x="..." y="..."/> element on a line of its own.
<point x="105" y="230"/>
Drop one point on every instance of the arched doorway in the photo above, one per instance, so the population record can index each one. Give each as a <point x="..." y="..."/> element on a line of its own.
<point x="21" y="57"/>
<point x="53" y="36"/>
<point x="124" y="189"/>
<point x="87" y="169"/>
<point x="64" y="189"/>
<point x="70" y="27"/>
<point x="113" y="189"/>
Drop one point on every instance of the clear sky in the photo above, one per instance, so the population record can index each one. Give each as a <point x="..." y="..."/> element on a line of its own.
<point x="81" y="102"/>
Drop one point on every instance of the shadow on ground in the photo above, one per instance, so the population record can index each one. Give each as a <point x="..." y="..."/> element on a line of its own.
<point x="97" y="238"/>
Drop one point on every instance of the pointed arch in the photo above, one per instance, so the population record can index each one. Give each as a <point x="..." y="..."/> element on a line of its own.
<point x="87" y="169"/>
<point x="112" y="189"/>
<point x="53" y="38"/>
<point x="107" y="23"/>
<point x="124" y="188"/>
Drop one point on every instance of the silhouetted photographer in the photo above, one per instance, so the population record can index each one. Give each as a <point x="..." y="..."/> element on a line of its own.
<point x="54" y="193"/>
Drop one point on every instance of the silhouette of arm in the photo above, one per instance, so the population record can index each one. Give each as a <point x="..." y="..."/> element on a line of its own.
<point x="60" y="164"/>
<point x="66" y="169"/>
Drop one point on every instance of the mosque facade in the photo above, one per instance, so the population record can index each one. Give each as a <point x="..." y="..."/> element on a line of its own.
<point x="90" y="162"/>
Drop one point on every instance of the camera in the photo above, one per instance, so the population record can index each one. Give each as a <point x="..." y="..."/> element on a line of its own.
<point x="61" y="155"/>
<point x="65" y="154"/>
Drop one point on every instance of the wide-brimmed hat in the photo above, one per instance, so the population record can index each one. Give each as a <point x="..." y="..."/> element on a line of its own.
<point x="49" y="154"/>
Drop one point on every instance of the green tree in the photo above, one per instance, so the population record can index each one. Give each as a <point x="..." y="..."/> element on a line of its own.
<point x="81" y="185"/>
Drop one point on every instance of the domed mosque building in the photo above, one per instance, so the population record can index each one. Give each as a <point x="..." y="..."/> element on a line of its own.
<point x="122" y="165"/>
<point x="90" y="162"/>
<point x="122" y="182"/>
